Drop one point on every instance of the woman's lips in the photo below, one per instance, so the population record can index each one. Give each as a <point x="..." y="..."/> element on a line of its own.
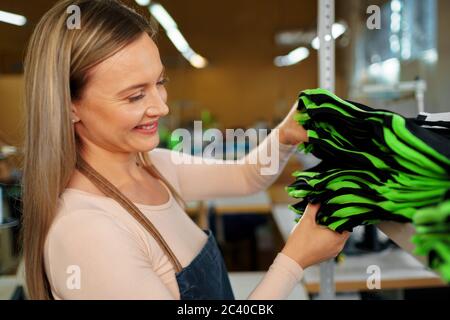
<point x="148" y="128"/>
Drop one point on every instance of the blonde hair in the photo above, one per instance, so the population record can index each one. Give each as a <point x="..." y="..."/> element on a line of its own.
<point x="56" y="71"/>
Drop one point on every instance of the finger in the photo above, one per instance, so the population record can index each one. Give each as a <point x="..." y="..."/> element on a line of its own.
<point x="345" y="235"/>
<point x="294" y="107"/>
<point x="311" y="211"/>
<point x="302" y="133"/>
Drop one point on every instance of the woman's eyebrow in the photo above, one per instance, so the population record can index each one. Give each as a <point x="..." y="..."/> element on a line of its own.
<point x="139" y="85"/>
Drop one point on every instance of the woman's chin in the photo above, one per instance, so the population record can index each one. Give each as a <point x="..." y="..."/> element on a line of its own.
<point x="150" y="144"/>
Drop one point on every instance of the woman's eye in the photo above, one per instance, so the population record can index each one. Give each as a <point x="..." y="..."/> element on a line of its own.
<point x="136" y="98"/>
<point x="162" y="81"/>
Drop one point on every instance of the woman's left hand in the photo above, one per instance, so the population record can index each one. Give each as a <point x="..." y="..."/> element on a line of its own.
<point x="290" y="131"/>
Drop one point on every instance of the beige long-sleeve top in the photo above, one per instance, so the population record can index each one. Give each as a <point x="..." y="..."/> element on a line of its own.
<point x="97" y="250"/>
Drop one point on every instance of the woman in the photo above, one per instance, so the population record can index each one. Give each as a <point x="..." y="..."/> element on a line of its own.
<point x="100" y="216"/>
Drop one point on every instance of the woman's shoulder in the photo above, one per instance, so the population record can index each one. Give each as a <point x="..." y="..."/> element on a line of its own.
<point x="160" y="157"/>
<point x="169" y="158"/>
<point x="84" y="223"/>
<point x="80" y="231"/>
<point x="163" y="160"/>
<point x="77" y="200"/>
<point x="83" y="214"/>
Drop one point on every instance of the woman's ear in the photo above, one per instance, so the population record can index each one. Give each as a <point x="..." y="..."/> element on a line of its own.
<point x="74" y="114"/>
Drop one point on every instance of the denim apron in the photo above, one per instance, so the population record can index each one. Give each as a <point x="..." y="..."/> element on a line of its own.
<point x="205" y="278"/>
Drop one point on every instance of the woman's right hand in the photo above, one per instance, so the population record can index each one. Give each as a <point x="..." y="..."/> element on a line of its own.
<point x="310" y="243"/>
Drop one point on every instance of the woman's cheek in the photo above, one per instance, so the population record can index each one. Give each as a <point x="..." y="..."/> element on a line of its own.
<point x="132" y="120"/>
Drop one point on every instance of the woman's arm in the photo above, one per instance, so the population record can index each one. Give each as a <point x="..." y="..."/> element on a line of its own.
<point x="308" y="244"/>
<point x="198" y="179"/>
<point x="279" y="281"/>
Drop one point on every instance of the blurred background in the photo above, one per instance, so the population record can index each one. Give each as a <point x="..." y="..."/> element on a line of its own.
<point x="246" y="63"/>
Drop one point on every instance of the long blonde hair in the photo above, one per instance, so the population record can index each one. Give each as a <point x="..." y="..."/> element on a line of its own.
<point x="56" y="71"/>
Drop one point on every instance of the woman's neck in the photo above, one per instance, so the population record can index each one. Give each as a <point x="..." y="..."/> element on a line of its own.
<point x="120" y="168"/>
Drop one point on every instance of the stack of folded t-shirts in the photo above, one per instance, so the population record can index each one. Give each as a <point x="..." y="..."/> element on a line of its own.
<point x="432" y="237"/>
<point x="376" y="165"/>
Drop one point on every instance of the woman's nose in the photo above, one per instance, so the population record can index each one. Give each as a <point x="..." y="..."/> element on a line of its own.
<point x="163" y="109"/>
<point x="158" y="107"/>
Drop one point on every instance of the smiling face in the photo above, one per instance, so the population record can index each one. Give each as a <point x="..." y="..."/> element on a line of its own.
<point x="123" y="100"/>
